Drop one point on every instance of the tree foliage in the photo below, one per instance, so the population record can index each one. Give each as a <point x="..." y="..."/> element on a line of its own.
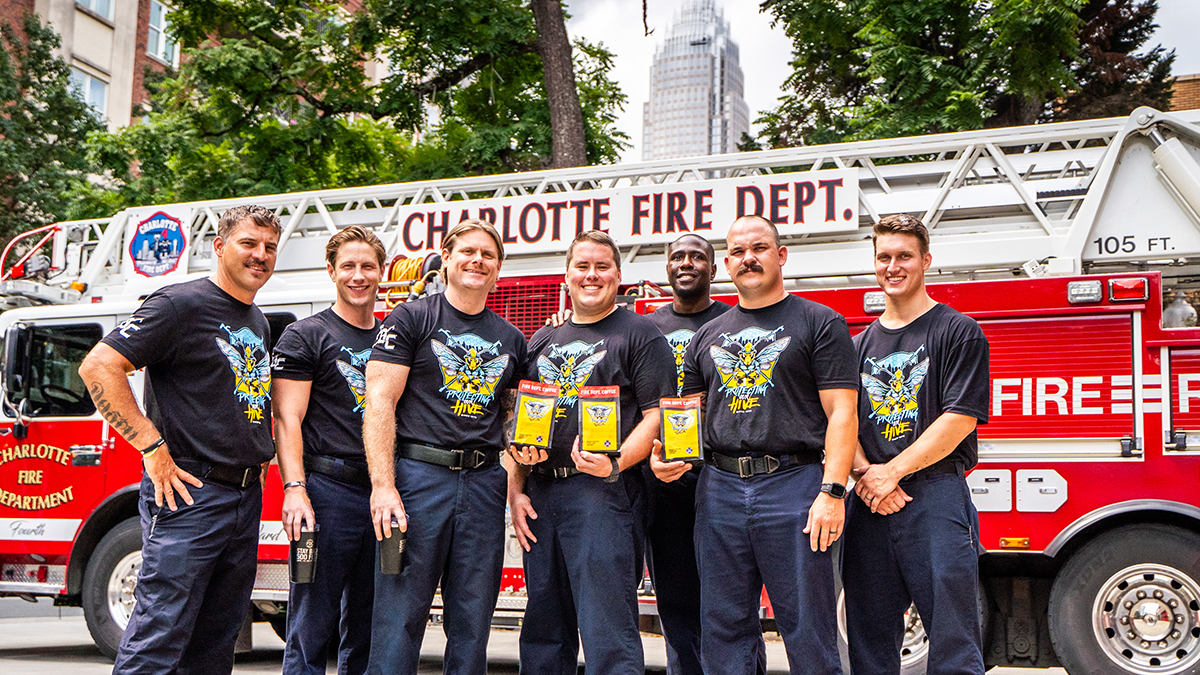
<point x="882" y="68"/>
<point x="1111" y="79"/>
<point x="43" y="126"/>
<point x="278" y="96"/>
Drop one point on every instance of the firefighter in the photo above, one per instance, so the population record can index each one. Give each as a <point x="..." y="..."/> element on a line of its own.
<point x="439" y="372"/>
<point x="318" y="404"/>
<point x="671" y="547"/>
<point x="204" y="447"/>
<point x="912" y="531"/>
<point x="777" y="375"/>
<point x="577" y="514"/>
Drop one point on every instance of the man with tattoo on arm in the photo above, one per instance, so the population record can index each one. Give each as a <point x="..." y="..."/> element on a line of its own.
<point x="438" y="386"/>
<point x="205" y="443"/>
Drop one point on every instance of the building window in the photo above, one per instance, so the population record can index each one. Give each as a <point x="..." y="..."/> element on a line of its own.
<point x="158" y="43"/>
<point x="101" y="7"/>
<point x="92" y="90"/>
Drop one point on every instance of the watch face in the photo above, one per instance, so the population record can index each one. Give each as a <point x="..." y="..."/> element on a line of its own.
<point x="835" y="490"/>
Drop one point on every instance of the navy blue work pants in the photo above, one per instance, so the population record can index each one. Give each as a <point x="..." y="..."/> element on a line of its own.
<point x="926" y="554"/>
<point x="193" y="591"/>
<point x="671" y="551"/>
<point x="335" y="608"/>
<point x="749" y="534"/>
<point x="581" y="576"/>
<point x="455" y="537"/>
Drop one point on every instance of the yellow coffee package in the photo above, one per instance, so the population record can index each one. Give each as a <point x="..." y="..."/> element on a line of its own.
<point x="680" y="429"/>
<point x="535" y="414"/>
<point x="600" y="419"/>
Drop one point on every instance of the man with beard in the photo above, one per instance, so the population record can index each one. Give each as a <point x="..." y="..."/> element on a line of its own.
<point x="780" y="388"/>
<point x="203" y="344"/>
<point x="437" y="391"/>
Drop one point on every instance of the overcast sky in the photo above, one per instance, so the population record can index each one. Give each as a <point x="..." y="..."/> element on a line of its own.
<point x="765" y="51"/>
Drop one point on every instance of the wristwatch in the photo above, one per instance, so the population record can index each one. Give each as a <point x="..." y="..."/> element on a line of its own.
<point x="616" y="472"/>
<point x="835" y="490"/>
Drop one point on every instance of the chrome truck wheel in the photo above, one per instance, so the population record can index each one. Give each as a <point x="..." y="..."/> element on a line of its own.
<point x="1129" y="602"/>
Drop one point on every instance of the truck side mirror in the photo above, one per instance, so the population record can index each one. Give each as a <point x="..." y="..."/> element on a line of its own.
<point x="16" y="363"/>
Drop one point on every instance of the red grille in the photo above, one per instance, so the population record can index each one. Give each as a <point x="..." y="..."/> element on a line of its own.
<point x="526" y="301"/>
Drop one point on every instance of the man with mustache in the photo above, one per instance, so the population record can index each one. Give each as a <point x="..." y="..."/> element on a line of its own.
<point x="778" y="379"/>
<point x="205" y="442"/>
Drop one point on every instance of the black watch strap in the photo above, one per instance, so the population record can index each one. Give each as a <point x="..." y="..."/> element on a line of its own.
<point x="835" y="490"/>
<point x="616" y="471"/>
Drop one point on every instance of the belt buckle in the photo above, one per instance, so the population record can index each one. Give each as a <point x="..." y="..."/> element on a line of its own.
<point x="245" y="477"/>
<point x="745" y="467"/>
<point x="562" y="472"/>
<point x="458" y="458"/>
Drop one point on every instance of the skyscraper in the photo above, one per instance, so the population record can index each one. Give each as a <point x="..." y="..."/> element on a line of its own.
<point x="696" y="104"/>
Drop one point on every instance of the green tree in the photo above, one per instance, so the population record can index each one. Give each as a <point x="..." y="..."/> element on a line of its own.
<point x="1111" y="79"/>
<point x="881" y="68"/>
<point x="274" y="97"/>
<point x="43" y="126"/>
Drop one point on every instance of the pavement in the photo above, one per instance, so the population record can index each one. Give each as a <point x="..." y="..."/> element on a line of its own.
<point x="40" y="639"/>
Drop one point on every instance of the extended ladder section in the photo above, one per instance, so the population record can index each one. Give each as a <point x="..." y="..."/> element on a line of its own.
<point x="1063" y="198"/>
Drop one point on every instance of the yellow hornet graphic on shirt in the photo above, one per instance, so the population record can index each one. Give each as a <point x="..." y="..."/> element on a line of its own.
<point x="251" y="367"/>
<point x="575" y="362"/>
<point x="354" y="376"/>
<point x="746" y="372"/>
<point x="679" y="341"/>
<point x="894" y="395"/>
<point x="468" y="379"/>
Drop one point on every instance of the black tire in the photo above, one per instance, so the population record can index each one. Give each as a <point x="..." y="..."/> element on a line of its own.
<point x="1141" y="581"/>
<point x="114" y="564"/>
<point x="278" y="624"/>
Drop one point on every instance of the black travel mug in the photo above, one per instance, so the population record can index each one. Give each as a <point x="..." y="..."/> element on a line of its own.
<point x="302" y="561"/>
<point x="391" y="550"/>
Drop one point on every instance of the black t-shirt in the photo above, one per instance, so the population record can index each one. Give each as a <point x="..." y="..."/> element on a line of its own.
<point x="763" y="370"/>
<point x="623" y="348"/>
<point x="332" y="354"/>
<point x="679" y="329"/>
<point x="459" y="365"/>
<point x="208" y="387"/>
<point x="911" y="375"/>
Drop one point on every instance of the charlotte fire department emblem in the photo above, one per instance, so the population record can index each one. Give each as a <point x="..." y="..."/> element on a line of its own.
<point x="354" y="376"/>
<point x="894" y="396"/>
<point x="569" y="366"/>
<point x="679" y="341"/>
<point x="747" y="372"/>
<point x="468" y="379"/>
<point x="157" y="244"/>
<point x="251" y="367"/>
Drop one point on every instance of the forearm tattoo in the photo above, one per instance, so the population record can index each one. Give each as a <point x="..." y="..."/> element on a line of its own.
<point x="115" y="419"/>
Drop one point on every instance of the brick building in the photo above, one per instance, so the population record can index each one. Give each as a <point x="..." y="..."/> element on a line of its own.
<point x="109" y="44"/>
<point x="1185" y="92"/>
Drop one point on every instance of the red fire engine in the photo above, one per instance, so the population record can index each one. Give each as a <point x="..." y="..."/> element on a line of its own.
<point x="1076" y="246"/>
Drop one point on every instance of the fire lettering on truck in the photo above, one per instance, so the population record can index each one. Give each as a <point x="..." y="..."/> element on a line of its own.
<point x="35" y="451"/>
<point x="37" y="502"/>
<point x="1058" y="396"/>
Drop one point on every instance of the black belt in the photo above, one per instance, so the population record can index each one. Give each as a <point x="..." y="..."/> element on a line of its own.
<point x="555" y="471"/>
<point x="454" y="459"/>
<point x="240" y="477"/>
<point x="747" y="466"/>
<point x="345" y="470"/>
<point x="942" y="468"/>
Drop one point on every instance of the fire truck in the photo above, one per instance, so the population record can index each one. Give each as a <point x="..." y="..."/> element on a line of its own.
<point x="1076" y="246"/>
